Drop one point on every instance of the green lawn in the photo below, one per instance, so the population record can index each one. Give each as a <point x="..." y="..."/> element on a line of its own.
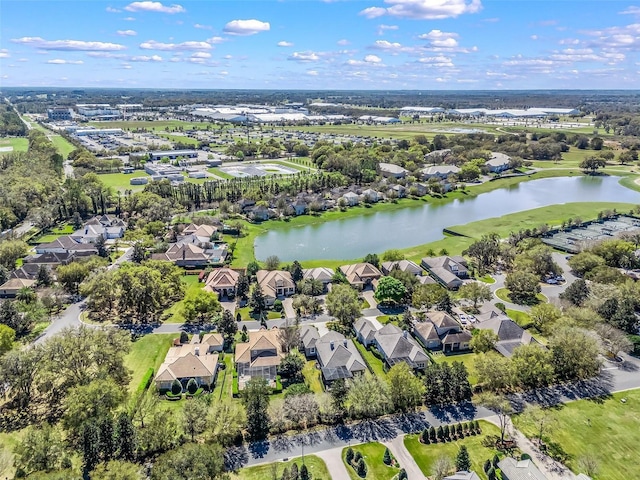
<point x="219" y="173"/>
<point x="372" y="454"/>
<point x="608" y="430"/>
<point x="521" y="318"/>
<point x="54" y="234"/>
<point x="468" y="359"/>
<point x="245" y="314"/>
<point x="224" y="383"/>
<point x="313" y="377"/>
<point x="374" y="363"/>
<point x="426" y="455"/>
<point x="316" y="466"/>
<point x="120" y="181"/>
<point x="147" y="352"/>
<point x="19" y="144"/>
<point x="486" y="279"/>
<point x="504" y="295"/>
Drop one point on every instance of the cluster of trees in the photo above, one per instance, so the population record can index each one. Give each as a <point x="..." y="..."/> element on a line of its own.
<point x="10" y="123"/>
<point x="136" y="293"/>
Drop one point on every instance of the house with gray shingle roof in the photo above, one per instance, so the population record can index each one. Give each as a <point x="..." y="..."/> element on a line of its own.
<point x="448" y="271"/>
<point x="404" y="265"/>
<point x="398" y="346"/>
<point x="338" y="357"/>
<point x="512" y="469"/>
<point x="309" y="336"/>
<point x="463" y="476"/>
<point x="510" y="334"/>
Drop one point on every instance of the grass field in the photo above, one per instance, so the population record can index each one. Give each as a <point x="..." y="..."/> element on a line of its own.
<point x="504" y="295"/>
<point x="53" y="234"/>
<point x="316" y="466"/>
<point x="147" y="352"/>
<point x="313" y="377"/>
<point x="426" y="455"/>
<point x="372" y="454"/>
<point x="19" y="144"/>
<point x="224" y="383"/>
<point x="375" y="364"/>
<point x="467" y="359"/>
<point x="608" y="430"/>
<point x="120" y="181"/>
<point x="179" y="138"/>
<point x="176" y="311"/>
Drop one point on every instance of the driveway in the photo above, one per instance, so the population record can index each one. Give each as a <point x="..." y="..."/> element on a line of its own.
<point x="333" y="459"/>
<point x="405" y="459"/>
<point x="287" y="304"/>
<point x="368" y="296"/>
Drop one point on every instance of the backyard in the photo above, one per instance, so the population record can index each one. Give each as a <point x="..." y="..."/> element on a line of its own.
<point x="375" y="364"/>
<point x="467" y="359"/>
<point x="427" y="455"/>
<point x="607" y="430"/>
<point x="147" y="352"/>
<point x="372" y="453"/>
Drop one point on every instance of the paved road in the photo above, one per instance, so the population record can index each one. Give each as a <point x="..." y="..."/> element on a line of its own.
<point x="405" y="459"/>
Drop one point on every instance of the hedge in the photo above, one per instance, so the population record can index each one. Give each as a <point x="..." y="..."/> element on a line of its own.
<point x="278" y="388"/>
<point x="235" y="389"/>
<point x="146" y="381"/>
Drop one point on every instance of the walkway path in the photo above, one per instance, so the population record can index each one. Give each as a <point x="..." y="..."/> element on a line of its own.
<point x="333" y="459"/>
<point x="405" y="459"/>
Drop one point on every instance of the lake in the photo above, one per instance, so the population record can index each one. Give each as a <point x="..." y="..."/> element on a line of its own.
<point x="379" y="231"/>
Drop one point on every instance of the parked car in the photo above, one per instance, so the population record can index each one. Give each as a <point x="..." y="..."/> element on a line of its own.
<point x="560" y="278"/>
<point x="552" y="281"/>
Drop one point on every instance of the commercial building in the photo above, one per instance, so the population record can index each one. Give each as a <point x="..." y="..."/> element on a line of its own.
<point x="98" y="111"/>
<point x="172" y="154"/>
<point x="59" y="114"/>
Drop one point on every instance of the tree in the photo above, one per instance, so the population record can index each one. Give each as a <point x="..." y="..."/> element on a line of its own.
<point x="227" y="326"/>
<point x="117" y="470"/>
<point x="589" y="465"/>
<point x="71" y="276"/>
<point x="576" y="293"/>
<point x="613" y="339"/>
<point x="252" y="268"/>
<point x="485" y="252"/>
<point x="575" y="354"/>
<point x="18" y="370"/>
<point x="301" y="410"/>
<point x="544" y="316"/>
<point x="44" y="278"/>
<point x="343" y="304"/>
<point x="592" y="164"/>
<point x="532" y="366"/>
<point x="405" y="389"/>
<point x="596" y="143"/>
<point x="386" y="458"/>
<point x="256" y="400"/>
<point x="502" y="408"/>
<point x="257" y="302"/>
<point x="192" y="461"/>
<point x="541" y="418"/>
<point x="242" y="286"/>
<point x="226" y="420"/>
<point x="272" y="262"/>
<point x="368" y="397"/>
<point x="201" y="306"/>
<point x="127" y="438"/>
<point x="139" y="253"/>
<point x="523" y="287"/>
<point x="41" y="449"/>
<point x="296" y="271"/>
<point x="392" y="256"/>
<point x="7" y="337"/>
<point x="427" y="296"/>
<point x="289" y="335"/>
<point x="310" y="286"/>
<point x="483" y="340"/>
<point x="291" y="366"/>
<point x="475" y="292"/>
<point x="11" y="251"/>
<point x="194" y="417"/>
<point x="373" y="259"/>
<point x="441" y="468"/>
<point x="90" y="445"/>
<point x="463" y="462"/>
<point x="494" y="371"/>
<point x="584" y="262"/>
<point x="390" y="289"/>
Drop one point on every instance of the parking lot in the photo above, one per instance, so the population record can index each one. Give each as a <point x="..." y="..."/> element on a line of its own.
<point x="258" y="170"/>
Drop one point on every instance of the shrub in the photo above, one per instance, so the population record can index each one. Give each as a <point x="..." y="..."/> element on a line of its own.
<point x="501" y="306"/>
<point x="402" y="474"/>
<point x="491" y="474"/>
<point x="487" y="465"/>
<point x="277" y="305"/>
<point x="192" y="386"/>
<point x="432" y="435"/>
<point x="386" y="458"/>
<point x="362" y="468"/>
<point x="146" y="381"/>
<point x="459" y="432"/>
<point x="357" y="457"/>
<point x="184" y="337"/>
<point x="278" y="387"/>
<point x="235" y="387"/>
<point x="349" y="456"/>
<point x="296" y="389"/>
<point x="176" y="387"/>
<point x="495" y="461"/>
<point x="446" y="434"/>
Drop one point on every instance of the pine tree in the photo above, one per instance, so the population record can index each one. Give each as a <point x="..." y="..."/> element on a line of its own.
<point x="402" y="474"/>
<point x="362" y="468"/>
<point x="446" y="433"/>
<point x="107" y="438"/>
<point x="257" y="302"/>
<point x="495" y="461"/>
<point x="44" y="276"/>
<point x="459" y="431"/>
<point x="440" y="433"/>
<point x="125" y="435"/>
<point x="90" y="446"/>
<point x="304" y="473"/>
<point x="486" y="466"/>
<point x="294" y="474"/>
<point x="386" y="458"/>
<point x="463" y="462"/>
<point x="256" y="399"/>
<point x="349" y="455"/>
<point x="432" y="434"/>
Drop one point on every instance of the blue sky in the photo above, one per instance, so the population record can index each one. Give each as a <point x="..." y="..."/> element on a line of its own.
<point x="332" y="44"/>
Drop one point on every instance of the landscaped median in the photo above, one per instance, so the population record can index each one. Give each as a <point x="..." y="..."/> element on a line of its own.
<point x="372" y="455"/>
<point x="316" y="467"/>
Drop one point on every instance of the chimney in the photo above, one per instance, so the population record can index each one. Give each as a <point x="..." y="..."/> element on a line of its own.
<point x="331" y="345"/>
<point x="196" y="351"/>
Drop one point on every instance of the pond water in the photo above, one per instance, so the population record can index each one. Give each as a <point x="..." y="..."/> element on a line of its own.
<point x="379" y="231"/>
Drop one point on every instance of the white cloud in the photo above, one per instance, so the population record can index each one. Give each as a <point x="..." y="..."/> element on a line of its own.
<point x="158" y="7"/>
<point x="126" y="66"/>
<point x="60" y="61"/>
<point x="534" y="37"/>
<point x="146" y="58"/>
<point x="215" y="40"/>
<point x="344" y="42"/>
<point x="437" y="61"/>
<point x="228" y="57"/>
<point x="127" y="33"/>
<point x="129" y="19"/>
<point x="4" y="53"/>
<point x="113" y="10"/>
<point x="304" y="57"/>
<point x="383" y="28"/>
<point x="438" y="38"/>
<point x="392" y="47"/>
<point x="73" y="45"/>
<point x="632" y="10"/>
<point x="424" y="9"/>
<point x="285" y="44"/>
<point x="246" y="27"/>
<point x="372" y="59"/>
<point x="153" y="45"/>
<point x="202" y="27"/>
<point x="201" y="55"/>
<point x="312" y="73"/>
<point x="106" y="55"/>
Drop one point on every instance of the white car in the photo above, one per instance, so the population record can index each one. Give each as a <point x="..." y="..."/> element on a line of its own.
<point x="463" y="319"/>
<point x="552" y="281"/>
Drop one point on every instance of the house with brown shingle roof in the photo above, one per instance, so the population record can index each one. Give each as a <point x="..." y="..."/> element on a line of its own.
<point x="259" y="356"/>
<point x="184" y="362"/>
<point x="275" y="284"/>
<point x="223" y="281"/>
<point x="212" y="342"/>
<point x="323" y="275"/>
<point x="441" y="330"/>
<point x="185" y="255"/>
<point x="11" y="287"/>
<point x="201" y="233"/>
<point x="360" y="275"/>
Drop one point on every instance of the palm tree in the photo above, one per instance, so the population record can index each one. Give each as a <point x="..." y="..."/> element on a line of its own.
<point x="26" y="295"/>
